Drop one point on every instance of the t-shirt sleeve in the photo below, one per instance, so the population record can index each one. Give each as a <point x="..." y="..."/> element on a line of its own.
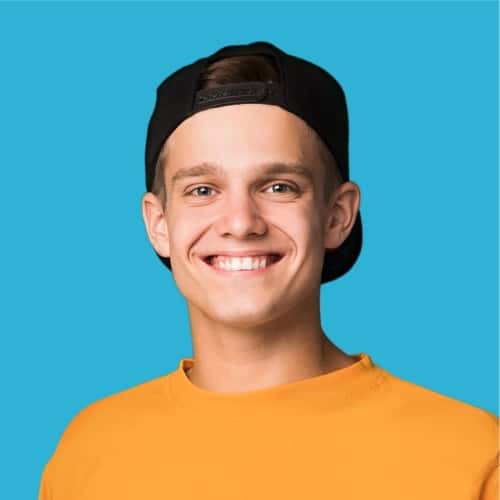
<point x="490" y="489"/>
<point x="43" y="491"/>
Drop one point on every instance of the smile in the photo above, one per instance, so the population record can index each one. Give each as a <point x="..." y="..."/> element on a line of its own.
<point x="256" y="264"/>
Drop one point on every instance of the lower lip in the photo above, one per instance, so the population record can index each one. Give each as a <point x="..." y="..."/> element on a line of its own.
<point x="243" y="272"/>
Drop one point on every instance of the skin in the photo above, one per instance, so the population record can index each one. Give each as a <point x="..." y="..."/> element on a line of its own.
<point x="251" y="333"/>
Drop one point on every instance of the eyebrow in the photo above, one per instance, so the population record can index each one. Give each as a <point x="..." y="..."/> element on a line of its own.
<point x="206" y="168"/>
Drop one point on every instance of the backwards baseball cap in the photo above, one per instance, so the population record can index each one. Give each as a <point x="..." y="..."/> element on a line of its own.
<point x="304" y="89"/>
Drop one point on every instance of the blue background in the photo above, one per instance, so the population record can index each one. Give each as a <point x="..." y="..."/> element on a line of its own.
<point x="87" y="307"/>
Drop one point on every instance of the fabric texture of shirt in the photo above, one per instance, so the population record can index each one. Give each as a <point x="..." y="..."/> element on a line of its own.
<point x="356" y="433"/>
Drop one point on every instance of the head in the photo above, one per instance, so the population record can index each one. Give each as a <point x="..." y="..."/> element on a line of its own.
<point x="237" y="203"/>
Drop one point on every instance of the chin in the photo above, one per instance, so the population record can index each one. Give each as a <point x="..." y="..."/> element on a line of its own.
<point x="241" y="315"/>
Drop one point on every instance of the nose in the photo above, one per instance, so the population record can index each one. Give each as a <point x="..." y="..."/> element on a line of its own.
<point x="240" y="217"/>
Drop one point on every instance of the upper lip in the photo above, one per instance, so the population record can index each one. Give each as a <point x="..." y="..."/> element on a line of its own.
<point x="243" y="253"/>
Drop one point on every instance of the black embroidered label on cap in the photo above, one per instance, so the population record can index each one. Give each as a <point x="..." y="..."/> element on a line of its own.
<point x="235" y="93"/>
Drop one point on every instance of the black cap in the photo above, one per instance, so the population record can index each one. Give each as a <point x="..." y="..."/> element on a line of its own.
<point x="304" y="89"/>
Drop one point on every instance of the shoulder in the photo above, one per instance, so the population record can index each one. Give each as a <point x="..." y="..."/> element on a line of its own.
<point x="104" y="428"/>
<point x="426" y="402"/>
<point x="446" y="422"/>
<point x="105" y="421"/>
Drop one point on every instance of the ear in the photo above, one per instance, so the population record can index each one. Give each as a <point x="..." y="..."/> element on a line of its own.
<point x="156" y="223"/>
<point x="341" y="214"/>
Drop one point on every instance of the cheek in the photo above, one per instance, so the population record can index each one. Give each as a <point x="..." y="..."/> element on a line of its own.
<point x="308" y="225"/>
<point x="184" y="229"/>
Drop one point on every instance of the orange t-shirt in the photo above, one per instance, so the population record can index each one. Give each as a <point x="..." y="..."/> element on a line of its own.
<point x="357" y="433"/>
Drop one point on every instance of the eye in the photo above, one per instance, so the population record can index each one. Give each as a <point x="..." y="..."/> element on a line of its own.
<point x="199" y="187"/>
<point x="289" y="186"/>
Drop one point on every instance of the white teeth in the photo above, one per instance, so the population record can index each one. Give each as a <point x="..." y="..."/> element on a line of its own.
<point x="241" y="263"/>
<point x="246" y="264"/>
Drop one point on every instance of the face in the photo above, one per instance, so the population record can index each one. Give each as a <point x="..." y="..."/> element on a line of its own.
<point x="240" y="200"/>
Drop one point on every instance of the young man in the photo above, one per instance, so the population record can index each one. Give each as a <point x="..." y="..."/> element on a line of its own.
<point x="249" y="204"/>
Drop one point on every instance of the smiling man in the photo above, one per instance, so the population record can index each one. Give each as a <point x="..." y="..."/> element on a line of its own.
<point x="245" y="225"/>
<point x="250" y="205"/>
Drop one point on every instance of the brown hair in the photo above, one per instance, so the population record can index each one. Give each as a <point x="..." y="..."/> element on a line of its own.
<point x="245" y="69"/>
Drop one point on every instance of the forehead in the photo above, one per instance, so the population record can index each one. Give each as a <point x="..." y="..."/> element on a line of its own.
<point x="241" y="136"/>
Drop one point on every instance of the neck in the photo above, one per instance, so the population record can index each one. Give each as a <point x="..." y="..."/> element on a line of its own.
<point x="228" y="359"/>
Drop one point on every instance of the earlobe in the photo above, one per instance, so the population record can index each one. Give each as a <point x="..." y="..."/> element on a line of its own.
<point x="342" y="214"/>
<point x="155" y="222"/>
